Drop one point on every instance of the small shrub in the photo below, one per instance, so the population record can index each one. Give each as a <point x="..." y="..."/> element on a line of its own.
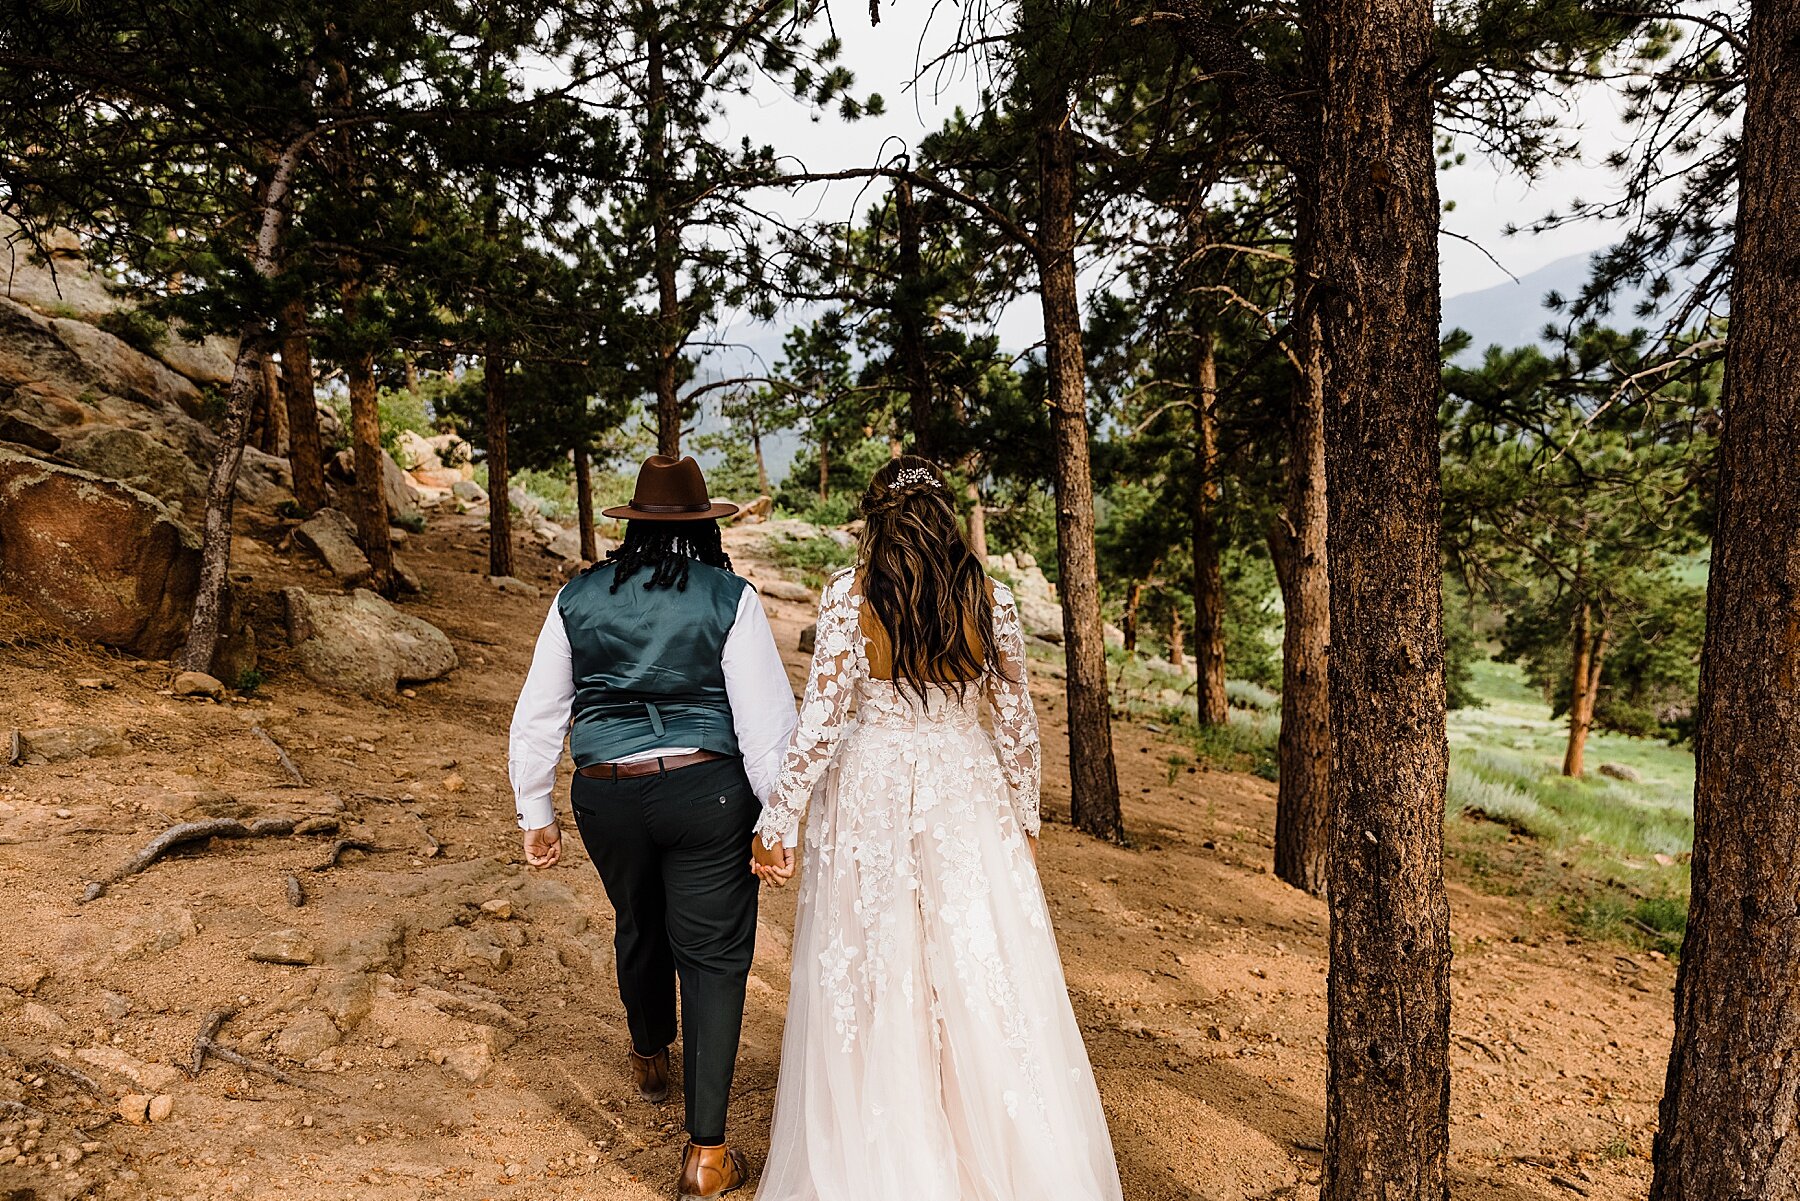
<point x="814" y="560"/>
<point x="136" y="328"/>
<point x="412" y="523"/>
<point x="250" y="679"/>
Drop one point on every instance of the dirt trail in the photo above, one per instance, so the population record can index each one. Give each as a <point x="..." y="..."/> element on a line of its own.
<point x="473" y="1052"/>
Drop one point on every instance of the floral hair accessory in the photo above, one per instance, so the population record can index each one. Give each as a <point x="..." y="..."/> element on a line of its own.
<point x="908" y="477"/>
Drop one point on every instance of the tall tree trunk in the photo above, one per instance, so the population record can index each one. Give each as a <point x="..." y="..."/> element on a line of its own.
<point x="665" y="249"/>
<point x="493" y="373"/>
<point x="1093" y="775"/>
<point x="412" y="374"/>
<point x="977" y="524"/>
<point x="1374" y="214"/>
<point x="1212" y="708"/>
<point x="824" y="472"/>
<point x="1297" y="547"/>
<point x="584" y="505"/>
<point x="1134" y="596"/>
<point x="909" y="320"/>
<point x="221" y="481"/>
<point x="275" y="426"/>
<point x="306" y="453"/>
<point x="1177" y="640"/>
<point x="365" y="442"/>
<point x="1584" y="685"/>
<point x="1727" y="1123"/>
<point x="500" y="547"/>
<point x="762" y="465"/>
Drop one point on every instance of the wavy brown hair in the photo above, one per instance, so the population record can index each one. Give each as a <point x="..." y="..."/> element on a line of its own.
<point x="922" y="580"/>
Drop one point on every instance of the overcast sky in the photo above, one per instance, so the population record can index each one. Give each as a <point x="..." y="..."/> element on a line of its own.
<point x="883" y="58"/>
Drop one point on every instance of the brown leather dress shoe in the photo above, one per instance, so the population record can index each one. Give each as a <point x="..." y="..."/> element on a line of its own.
<point x="651" y="1074"/>
<point x="710" y="1172"/>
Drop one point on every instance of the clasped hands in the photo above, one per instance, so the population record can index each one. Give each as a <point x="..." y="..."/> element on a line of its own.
<point x="774" y="866"/>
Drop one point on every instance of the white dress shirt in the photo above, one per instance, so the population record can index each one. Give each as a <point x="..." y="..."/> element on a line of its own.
<point x="756" y="685"/>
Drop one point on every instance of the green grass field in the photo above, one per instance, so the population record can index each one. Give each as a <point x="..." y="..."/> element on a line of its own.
<point x="1599" y="857"/>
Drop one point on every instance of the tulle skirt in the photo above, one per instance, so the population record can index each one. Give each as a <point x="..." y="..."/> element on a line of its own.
<point x="931" y="1053"/>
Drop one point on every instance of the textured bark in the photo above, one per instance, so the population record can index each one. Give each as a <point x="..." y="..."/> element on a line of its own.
<point x="909" y="322"/>
<point x="365" y="442"/>
<point x="221" y="481"/>
<point x="665" y="249"/>
<point x="584" y="505"/>
<point x="1297" y="547"/>
<point x="1134" y="596"/>
<point x="1093" y="775"/>
<point x="1177" y="640"/>
<point x="1212" y="707"/>
<point x="1730" y="1107"/>
<point x="306" y="455"/>
<point x="274" y="410"/>
<point x="824" y="473"/>
<point x="1584" y="684"/>
<point x="762" y="465"/>
<point x="1373" y="257"/>
<point x="500" y="548"/>
<point x="977" y="523"/>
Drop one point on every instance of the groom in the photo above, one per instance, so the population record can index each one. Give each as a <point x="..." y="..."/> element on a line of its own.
<point x="659" y="665"/>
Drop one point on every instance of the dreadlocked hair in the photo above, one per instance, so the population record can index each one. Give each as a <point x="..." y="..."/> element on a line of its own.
<point x="667" y="548"/>
<point x="923" y="581"/>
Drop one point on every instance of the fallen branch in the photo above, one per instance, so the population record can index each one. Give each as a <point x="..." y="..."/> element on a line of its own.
<point x="181" y="835"/>
<point x="17" y="1107"/>
<point x="296" y="895"/>
<point x="205" y="1044"/>
<point x="287" y="764"/>
<point x="209" y="1027"/>
<point x="70" y="1074"/>
<point x="346" y="844"/>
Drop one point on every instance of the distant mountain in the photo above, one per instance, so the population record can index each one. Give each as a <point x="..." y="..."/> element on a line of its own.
<point x="1513" y="314"/>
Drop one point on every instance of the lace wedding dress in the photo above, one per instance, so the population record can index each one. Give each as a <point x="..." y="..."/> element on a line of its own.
<point x="931" y="1053"/>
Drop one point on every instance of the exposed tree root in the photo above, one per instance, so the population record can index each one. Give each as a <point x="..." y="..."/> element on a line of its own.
<point x="181" y="835"/>
<point x="346" y="844"/>
<point x="206" y="1043"/>
<point x="287" y="764"/>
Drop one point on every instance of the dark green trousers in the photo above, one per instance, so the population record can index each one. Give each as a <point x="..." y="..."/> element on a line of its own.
<point x="673" y="851"/>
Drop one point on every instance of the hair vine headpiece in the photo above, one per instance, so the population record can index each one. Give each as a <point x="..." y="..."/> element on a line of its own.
<point x="908" y="477"/>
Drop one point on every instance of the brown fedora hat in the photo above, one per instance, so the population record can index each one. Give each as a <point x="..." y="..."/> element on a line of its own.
<point x="671" y="490"/>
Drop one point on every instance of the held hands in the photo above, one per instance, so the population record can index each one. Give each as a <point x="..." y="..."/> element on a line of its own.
<point x="543" y="846"/>
<point x="774" y="866"/>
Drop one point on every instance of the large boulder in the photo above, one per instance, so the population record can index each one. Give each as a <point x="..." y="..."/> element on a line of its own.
<point x="61" y="284"/>
<point x="135" y="458"/>
<point x="362" y="643"/>
<point x="396" y="487"/>
<point x="332" y="536"/>
<point x="105" y="560"/>
<point x="124" y="370"/>
<point x="414" y="453"/>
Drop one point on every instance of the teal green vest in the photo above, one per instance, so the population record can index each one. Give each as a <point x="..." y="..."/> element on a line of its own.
<point x="648" y="663"/>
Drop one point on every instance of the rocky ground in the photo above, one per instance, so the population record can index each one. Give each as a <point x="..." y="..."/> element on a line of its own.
<point x="445" y="1019"/>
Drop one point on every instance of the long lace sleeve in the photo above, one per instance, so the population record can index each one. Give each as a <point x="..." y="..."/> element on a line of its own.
<point x="829" y="687"/>
<point x="1015" y="721"/>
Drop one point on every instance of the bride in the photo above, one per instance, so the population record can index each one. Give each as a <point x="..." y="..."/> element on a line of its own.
<point x="931" y="1053"/>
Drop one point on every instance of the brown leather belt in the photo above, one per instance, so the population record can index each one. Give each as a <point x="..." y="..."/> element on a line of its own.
<point x="647" y="767"/>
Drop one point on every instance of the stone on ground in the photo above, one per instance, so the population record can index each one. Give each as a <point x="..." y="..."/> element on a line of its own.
<point x="331" y="535"/>
<point x="362" y="643"/>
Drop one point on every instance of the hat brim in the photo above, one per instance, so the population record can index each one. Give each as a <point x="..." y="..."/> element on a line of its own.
<point x="713" y="512"/>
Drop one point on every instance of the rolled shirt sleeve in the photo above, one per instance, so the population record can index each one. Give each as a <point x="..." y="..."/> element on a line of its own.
<point x="762" y="700"/>
<point x="540" y="723"/>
